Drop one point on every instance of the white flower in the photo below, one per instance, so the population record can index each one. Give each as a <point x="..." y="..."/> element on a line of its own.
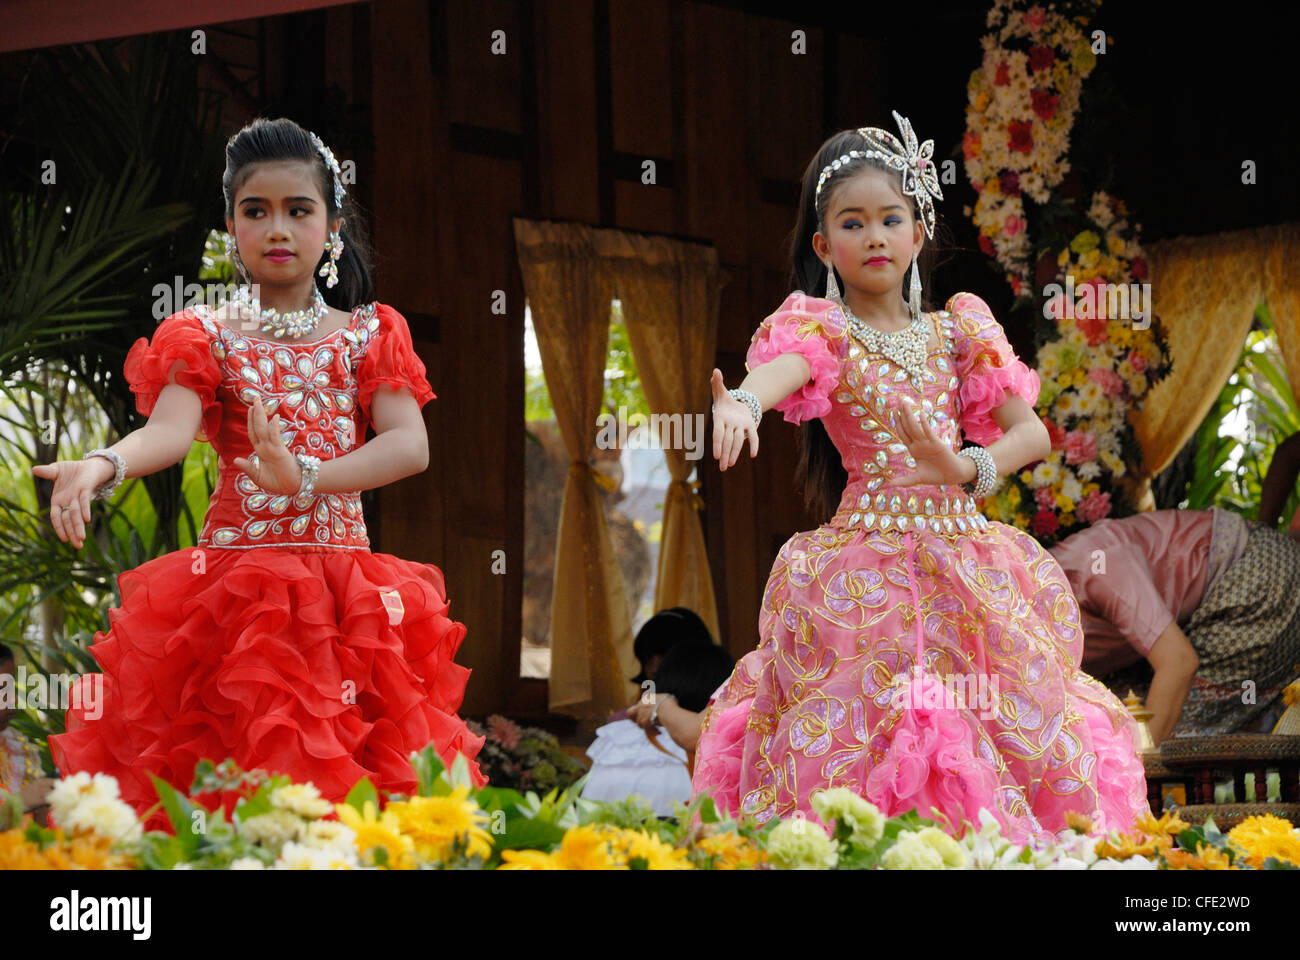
<point x="861" y="816"/>
<point x="298" y="856"/>
<point x="69" y="792"/>
<point x="278" y="826"/>
<point x="302" y="799"/>
<point x="330" y="835"/>
<point x="1132" y="863"/>
<point x="926" y="849"/>
<point x="1046" y="474"/>
<point x="106" y="816"/>
<point x="247" y="863"/>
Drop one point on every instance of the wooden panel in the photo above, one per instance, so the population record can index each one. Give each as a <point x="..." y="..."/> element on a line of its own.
<point x="483" y="87"/>
<point x="640" y="77"/>
<point x="715" y="179"/>
<point x="567" y="108"/>
<point x="404" y="194"/>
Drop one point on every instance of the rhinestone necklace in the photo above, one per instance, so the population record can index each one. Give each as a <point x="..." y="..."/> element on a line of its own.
<point x="906" y="347"/>
<point x="292" y="323"/>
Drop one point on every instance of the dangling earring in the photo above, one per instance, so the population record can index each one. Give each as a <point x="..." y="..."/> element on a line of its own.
<point x="832" y="288"/>
<point x="335" y="247"/>
<point x="914" y="294"/>
<point x="232" y="254"/>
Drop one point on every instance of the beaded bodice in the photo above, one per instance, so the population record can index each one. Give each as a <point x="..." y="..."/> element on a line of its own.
<point x="876" y="458"/>
<point x="312" y="386"/>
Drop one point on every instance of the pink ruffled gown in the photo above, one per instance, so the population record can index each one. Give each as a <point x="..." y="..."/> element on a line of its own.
<point x="999" y="714"/>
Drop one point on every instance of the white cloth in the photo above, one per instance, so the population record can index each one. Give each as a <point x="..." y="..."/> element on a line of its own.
<point x="624" y="762"/>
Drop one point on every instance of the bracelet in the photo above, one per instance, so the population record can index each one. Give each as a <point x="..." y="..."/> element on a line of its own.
<point x="749" y="400"/>
<point x="654" y="714"/>
<point x="986" y="472"/>
<point x="310" y="470"/>
<point x="119" y="472"/>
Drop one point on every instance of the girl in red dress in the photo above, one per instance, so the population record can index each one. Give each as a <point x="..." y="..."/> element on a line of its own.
<point x="280" y="640"/>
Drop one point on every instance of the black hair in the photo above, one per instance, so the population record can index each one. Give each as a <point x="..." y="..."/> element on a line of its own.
<point x="821" y="470"/>
<point x="692" y="671"/>
<point x="264" y="141"/>
<point x="6" y="655"/>
<point x="665" y="630"/>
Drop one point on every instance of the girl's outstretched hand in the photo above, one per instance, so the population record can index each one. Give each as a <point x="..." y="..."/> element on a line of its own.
<point x="936" y="463"/>
<point x="732" y="423"/>
<point x="75" y="482"/>
<point x="277" y="469"/>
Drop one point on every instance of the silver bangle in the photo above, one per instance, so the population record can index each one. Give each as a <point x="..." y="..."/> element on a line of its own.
<point x="654" y="714"/>
<point x="119" y="473"/>
<point x="310" y="470"/>
<point x="986" y="472"/>
<point x="749" y="400"/>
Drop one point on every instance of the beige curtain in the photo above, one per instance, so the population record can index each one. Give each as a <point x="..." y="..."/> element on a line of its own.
<point x="1205" y="290"/>
<point x="669" y="292"/>
<point x="569" y="294"/>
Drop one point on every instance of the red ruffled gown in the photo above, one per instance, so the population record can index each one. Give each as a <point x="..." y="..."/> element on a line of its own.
<point x="280" y="640"/>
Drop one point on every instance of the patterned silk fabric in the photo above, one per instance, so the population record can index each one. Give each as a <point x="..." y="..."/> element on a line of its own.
<point x="998" y="715"/>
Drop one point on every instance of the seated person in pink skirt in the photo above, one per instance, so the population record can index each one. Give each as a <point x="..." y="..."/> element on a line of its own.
<point x="1209" y="599"/>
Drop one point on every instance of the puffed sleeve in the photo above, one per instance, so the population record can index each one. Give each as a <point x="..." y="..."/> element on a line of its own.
<point x="390" y="361"/>
<point x="810" y="326"/>
<point x="987" y="367"/>
<point x="149" y="363"/>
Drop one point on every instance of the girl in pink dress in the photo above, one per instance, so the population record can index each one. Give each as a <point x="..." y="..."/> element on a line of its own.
<point x="909" y="648"/>
<point x="281" y="640"/>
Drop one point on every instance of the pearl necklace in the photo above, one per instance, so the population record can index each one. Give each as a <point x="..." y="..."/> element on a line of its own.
<point x="292" y="323"/>
<point x="906" y="347"/>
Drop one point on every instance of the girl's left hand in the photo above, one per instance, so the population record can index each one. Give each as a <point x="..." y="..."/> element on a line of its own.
<point x="277" y="469"/>
<point x="936" y="463"/>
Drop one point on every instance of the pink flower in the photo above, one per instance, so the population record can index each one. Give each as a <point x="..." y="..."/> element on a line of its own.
<point x="1137" y="361"/>
<point x="1045" y="497"/>
<point x="1034" y="17"/>
<point x="970" y="144"/>
<point x="503" y="731"/>
<point x="1009" y="182"/>
<point x="1093" y="507"/>
<point x="1003" y="76"/>
<point x="1110" y="381"/>
<point x="1080" y="446"/>
<point x="1013" y="224"/>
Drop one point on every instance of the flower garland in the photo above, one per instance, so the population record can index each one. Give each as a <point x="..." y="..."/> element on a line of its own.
<point x="449" y="825"/>
<point x="1021" y="109"/>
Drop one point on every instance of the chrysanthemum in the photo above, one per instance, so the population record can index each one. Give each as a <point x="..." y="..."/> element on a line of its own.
<point x="1267" y="836"/>
<point x="435" y="823"/>
<point x="382" y="832"/>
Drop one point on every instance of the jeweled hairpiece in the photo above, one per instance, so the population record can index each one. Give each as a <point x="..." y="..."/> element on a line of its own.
<point x="914" y="163"/>
<point x="333" y="164"/>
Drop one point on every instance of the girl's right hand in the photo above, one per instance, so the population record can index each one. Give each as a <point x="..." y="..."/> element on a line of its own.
<point x="732" y="423"/>
<point x="75" y="481"/>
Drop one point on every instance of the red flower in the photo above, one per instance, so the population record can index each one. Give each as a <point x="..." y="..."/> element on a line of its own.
<point x="1041" y="58"/>
<point x="1139" y="268"/>
<point x="1094" y="328"/>
<point x="970" y="144"/>
<point x="1003" y="75"/>
<point x="1022" y="137"/>
<point x="1055" y="431"/>
<point x="1010" y="183"/>
<point x="987" y="245"/>
<point x="1044" y="523"/>
<point x="1044" y="103"/>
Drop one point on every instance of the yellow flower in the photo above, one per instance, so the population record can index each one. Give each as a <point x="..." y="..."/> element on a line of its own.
<point x="1078" y="822"/>
<point x="1013" y="495"/>
<point x="1267" y="836"/>
<point x="1063" y="502"/>
<point x="1169" y="824"/>
<point x="731" y="851"/>
<point x="85" y="851"/>
<point x="1205" y="858"/>
<point x="1123" y="846"/>
<point x="589" y="848"/>
<point x="1291" y="695"/>
<point x="1084" y="241"/>
<point x="378" y="832"/>
<point x="435" y="823"/>
<point x="637" y="844"/>
<point x="1115" y="244"/>
<point x="527" y="860"/>
<point x="982" y="101"/>
<point x="992" y="185"/>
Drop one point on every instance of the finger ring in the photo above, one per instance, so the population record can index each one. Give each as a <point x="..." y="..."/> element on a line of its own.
<point x="65" y="509"/>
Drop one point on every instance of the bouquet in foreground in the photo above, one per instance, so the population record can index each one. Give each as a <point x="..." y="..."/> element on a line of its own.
<point x="447" y="824"/>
